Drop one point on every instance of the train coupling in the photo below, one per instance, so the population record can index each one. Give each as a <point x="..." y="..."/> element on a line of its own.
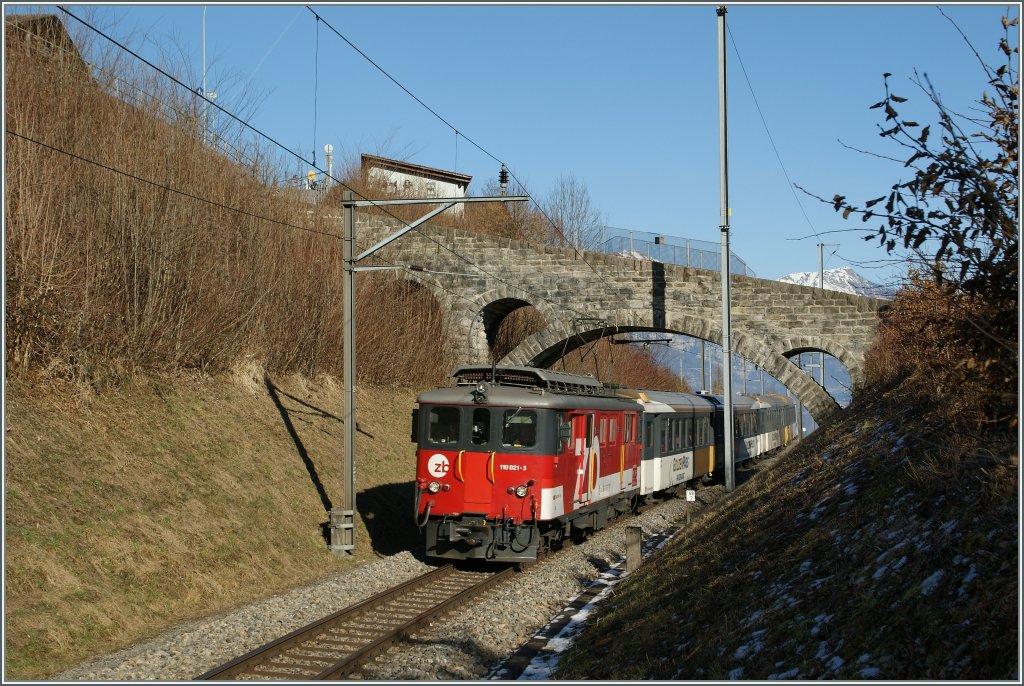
<point x="474" y="531"/>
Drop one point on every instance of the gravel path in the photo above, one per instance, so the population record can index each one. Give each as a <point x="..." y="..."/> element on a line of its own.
<point x="466" y="645"/>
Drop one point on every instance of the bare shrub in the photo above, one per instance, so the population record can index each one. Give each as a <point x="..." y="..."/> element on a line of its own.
<point x="401" y="334"/>
<point x="957" y="219"/>
<point x="133" y="244"/>
<point x="928" y="341"/>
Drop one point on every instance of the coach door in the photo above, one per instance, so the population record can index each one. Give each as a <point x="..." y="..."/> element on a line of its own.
<point x="585" y="453"/>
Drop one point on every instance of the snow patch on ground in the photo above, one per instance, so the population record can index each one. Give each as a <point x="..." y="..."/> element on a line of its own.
<point x="929" y="585"/>
<point x="543" y="666"/>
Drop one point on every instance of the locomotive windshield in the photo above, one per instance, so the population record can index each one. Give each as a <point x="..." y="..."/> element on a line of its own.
<point x="444" y="425"/>
<point x="502" y="429"/>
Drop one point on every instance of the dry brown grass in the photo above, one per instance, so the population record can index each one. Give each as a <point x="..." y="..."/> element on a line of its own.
<point x="107" y="274"/>
<point x="130" y="513"/>
<point x="930" y="343"/>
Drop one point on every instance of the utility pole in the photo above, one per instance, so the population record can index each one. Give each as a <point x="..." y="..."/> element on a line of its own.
<point x="723" y="162"/>
<point x="205" y="113"/>
<point x="329" y="156"/>
<point x="821" y="283"/>
<point x="800" y="405"/>
<point x="342" y="519"/>
<point x="703" y="378"/>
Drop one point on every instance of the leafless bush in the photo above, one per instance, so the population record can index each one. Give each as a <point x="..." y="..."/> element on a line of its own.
<point x="929" y="343"/>
<point x="134" y="241"/>
<point x="517" y="326"/>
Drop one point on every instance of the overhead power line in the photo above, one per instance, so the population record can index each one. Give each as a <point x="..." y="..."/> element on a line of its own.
<point x="453" y="128"/>
<point x="297" y="155"/>
<point x="397" y="83"/>
<point x="165" y="187"/>
<point x="771" y="140"/>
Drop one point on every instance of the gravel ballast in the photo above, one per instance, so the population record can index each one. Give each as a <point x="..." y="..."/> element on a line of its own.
<point x="465" y="645"/>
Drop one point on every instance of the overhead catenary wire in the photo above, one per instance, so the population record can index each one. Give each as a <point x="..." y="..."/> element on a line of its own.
<point x="165" y="187"/>
<point x="455" y="130"/>
<point x="297" y="155"/>
<point x="771" y="139"/>
<point x="407" y="267"/>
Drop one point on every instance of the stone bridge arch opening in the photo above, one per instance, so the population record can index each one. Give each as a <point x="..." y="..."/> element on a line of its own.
<point x="827" y="371"/>
<point x="507" y="322"/>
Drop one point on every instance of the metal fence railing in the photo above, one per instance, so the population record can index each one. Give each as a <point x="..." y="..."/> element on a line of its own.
<point x="684" y="252"/>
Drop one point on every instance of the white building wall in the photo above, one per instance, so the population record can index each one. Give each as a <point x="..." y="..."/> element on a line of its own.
<point x="417" y="186"/>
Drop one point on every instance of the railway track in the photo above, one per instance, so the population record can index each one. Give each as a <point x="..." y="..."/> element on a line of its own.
<point x="336" y="646"/>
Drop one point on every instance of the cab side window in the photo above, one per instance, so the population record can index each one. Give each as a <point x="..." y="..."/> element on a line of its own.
<point x="520" y="429"/>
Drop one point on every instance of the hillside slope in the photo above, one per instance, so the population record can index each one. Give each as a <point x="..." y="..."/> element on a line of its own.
<point x="180" y="496"/>
<point x="879" y="548"/>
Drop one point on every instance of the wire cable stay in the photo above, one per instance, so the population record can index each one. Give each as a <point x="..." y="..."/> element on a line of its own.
<point x="298" y="156"/>
<point x="771" y="139"/>
<point x="458" y="133"/>
<point x="165" y="187"/>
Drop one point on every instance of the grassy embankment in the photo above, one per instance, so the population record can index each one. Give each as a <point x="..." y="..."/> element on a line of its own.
<point x="881" y="548"/>
<point x="175" y="498"/>
<point x="172" y="434"/>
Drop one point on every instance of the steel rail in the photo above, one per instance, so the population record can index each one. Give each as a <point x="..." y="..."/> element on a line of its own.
<point x="383" y="632"/>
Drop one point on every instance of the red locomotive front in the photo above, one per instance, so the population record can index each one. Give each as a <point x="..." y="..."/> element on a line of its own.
<point x="511" y="459"/>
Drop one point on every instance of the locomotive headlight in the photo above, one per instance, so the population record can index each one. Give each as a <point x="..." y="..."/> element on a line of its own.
<point x="521" y="491"/>
<point x="480" y="393"/>
<point x="433" y="487"/>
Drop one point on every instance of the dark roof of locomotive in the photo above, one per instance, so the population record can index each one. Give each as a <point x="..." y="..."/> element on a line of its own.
<point x="532" y="377"/>
<point x="518" y="396"/>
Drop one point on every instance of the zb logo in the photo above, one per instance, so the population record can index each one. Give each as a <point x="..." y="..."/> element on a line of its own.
<point x="438" y="465"/>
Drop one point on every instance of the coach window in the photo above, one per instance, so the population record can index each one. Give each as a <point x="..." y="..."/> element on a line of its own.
<point x="444" y="425"/>
<point x="520" y="428"/>
<point x="481" y="426"/>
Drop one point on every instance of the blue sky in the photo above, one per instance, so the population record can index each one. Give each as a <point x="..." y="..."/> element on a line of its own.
<point x="624" y="97"/>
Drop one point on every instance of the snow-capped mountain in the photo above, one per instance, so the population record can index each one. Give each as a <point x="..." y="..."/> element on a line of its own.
<point x="844" y="280"/>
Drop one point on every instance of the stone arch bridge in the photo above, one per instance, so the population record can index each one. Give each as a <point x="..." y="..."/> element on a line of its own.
<point x="771" y="321"/>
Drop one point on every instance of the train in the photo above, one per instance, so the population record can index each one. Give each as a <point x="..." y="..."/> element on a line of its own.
<point x="511" y="461"/>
